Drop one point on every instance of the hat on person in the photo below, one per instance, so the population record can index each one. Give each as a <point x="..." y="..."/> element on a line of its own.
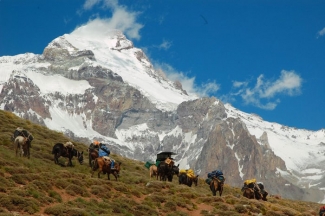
<point x="96" y="142"/>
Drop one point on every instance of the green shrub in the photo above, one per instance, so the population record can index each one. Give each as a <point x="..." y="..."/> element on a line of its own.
<point x="177" y="214"/>
<point x="19" y="179"/>
<point x="62" y="210"/>
<point x="226" y="213"/>
<point x="17" y="170"/>
<point x="170" y="206"/>
<point x="17" y="203"/>
<point x="43" y="185"/>
<point x="74" y="190"/>
<point x="274" y="213"/>
<point x="55" y="195"/>
<point x="4" y="182"/>
<point x="156" y="198"/>
<point x="240" y="208"/>
<point x="136" y="193"/>
<point x="143" y="209"/>
<point x="61" y="183"/>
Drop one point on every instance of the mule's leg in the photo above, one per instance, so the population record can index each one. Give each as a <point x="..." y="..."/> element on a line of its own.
<point x="28" y="152"/>
<point x="99" y="173"/>
<point x="21" y="151"/>
<point x="70" y="162"/>
<point x="220" y="190"/>
<point x="108" y="173"/>
<point x="213" y="190"/>
<point x="115" y="174"/>
<point x="89" y="156"/>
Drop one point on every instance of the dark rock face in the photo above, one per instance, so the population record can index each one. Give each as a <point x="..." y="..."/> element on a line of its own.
<point x="21" y="96"/>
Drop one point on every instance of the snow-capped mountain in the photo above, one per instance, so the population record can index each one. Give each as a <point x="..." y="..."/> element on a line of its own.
<point x="93" y="85"/>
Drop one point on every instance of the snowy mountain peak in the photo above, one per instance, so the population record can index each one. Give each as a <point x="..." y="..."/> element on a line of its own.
<point x="114" y="51"/>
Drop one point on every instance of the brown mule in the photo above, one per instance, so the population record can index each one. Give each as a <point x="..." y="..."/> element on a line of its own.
<point x="104" y="166"/>
<point x="92" y="155"/>
<point x="217" y="185"/>
<point x="249" y="193"/>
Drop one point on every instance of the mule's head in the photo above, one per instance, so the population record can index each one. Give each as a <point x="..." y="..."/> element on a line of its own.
<point x="80" y="157"/>
<point x="176" y="170"/>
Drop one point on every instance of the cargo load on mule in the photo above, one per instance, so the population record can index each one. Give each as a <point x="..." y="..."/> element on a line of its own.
<point x="215" y="181"/>
<point x="215" y="174"/>
<point x="162" y="156"/>
<point x="22" y="132"/>
<point x="148" y="164"/>
<point x="188" y="172"/>
<point x="251" y="183"/>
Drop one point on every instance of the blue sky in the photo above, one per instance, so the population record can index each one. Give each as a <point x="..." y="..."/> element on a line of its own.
<point x="264" y="57"/>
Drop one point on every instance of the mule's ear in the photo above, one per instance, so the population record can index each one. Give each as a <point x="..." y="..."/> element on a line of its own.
<point x="82" y="152"/>
<point x="178" y="165"/>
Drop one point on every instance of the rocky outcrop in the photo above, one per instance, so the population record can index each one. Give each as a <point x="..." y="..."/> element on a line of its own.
<point x="22" y="97"/>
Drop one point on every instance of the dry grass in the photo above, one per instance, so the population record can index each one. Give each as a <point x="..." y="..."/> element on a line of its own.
<point x="37" y="186"/>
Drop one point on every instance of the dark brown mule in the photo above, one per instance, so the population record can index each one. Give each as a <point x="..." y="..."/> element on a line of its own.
<point x="93" y="154"/>
<point x="217" y="185"/>
<point x="166" y="171"/>
<point x="252" y="191"/>
<point x="184" y="179"/>
<point x="105" y="166"/>
<point x="263" y="192"/>
<point x="22" y="144"/>
<point x="249" y="193"/>
<point x="59" y="150"/>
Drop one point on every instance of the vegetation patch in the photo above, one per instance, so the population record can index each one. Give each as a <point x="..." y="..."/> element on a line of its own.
<point x="62" y="210"/>
<point x="18" y="203"/>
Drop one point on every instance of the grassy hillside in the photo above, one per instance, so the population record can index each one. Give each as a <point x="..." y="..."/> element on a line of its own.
<point x="37" y="186"/>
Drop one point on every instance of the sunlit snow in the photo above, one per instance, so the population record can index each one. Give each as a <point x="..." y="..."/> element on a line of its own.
<point x="125" y="63"/>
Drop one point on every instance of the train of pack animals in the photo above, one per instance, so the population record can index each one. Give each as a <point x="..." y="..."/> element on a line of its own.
<point x="163" y="169"/>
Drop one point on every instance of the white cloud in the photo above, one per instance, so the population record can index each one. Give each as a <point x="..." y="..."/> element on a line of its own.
<point x="89" y="4"/>
<point x="239" y="84"/>
<point x="321" y="32"/>
<point x="288" y="83"/>
<point x="121" y="19"/>
<point x="165" y="45"/>
<point x="188" y="83"/>
<point x="265" y="92"/>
